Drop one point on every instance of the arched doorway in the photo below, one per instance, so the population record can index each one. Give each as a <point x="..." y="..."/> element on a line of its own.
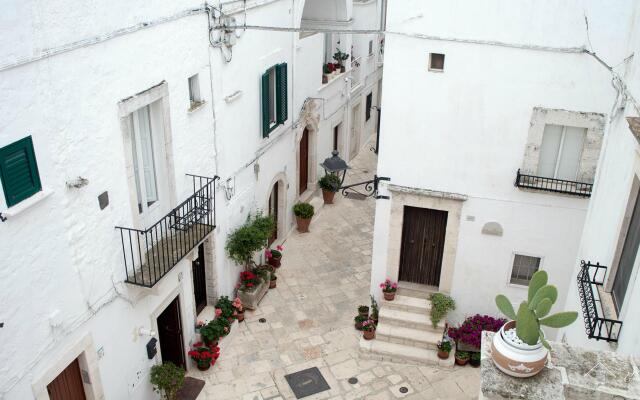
<point x="273" y="210"/>
<point x="303" y="172"/>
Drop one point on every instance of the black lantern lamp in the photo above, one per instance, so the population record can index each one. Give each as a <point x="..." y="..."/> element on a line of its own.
<point x="335" y="165"/>
<point x="361" y="190"/>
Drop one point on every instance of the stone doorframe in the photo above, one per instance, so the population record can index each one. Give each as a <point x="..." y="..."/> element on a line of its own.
<point x="281" y="178"/>
<point x="309" y="119"/>
<point x="210" y="274"/>
<point x="423" y="198"/>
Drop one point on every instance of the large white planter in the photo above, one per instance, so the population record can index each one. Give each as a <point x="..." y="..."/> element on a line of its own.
<point x="515" y="358"/>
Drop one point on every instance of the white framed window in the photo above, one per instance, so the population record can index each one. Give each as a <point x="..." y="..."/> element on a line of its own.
<point x="561" y="151"/>
<point x="194" y="92"/>
<point x="436" y="62"/>
<point x="523" y="268"/>
<point x="144" y="159"/>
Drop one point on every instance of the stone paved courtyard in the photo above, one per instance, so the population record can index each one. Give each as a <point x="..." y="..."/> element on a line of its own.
<point x="325" y="275"/>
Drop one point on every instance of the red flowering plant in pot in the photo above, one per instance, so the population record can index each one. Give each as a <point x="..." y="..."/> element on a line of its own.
<point x="368" y="329"/>
<point x="274" y="257"/>
<point x="389" y="289"/>
<point x="204" y="356"/>
<point x="468" y="335"/>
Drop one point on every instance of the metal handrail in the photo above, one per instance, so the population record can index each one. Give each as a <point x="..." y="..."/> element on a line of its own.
<point x="596" y="325"/>
<point x="151" y="253"/>
<point x="556" y="185"/>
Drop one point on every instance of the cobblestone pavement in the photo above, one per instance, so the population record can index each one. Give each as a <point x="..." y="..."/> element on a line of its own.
<point x="325" y="275"/>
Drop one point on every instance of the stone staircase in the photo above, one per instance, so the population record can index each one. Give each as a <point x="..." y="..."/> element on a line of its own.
<point x="405" y="333"/>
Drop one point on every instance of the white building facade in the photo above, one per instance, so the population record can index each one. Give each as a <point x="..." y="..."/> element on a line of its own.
<point x="133" y="125"/>
<point x="491" y="135"/>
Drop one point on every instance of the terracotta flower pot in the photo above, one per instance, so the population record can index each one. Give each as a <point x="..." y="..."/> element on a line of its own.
<point x="517" y="359"/>
<point x="275" y="262"/>
<point x="303" y="224"/>
<point x="474" y="364"/>
<point x="389" y="296"/>
<point x="230" y="319"/>
<point x="343" y="69"/>
<point x="461" y="362"/>
<point x="325" y="78"/>
<point x="368" y="335"/>
<point x="240" y="316"/>
<point x="204" y="366"/>
<point x="273" y="283"/>
<point x="327" y="196"/>
<point x="443" y="355"/>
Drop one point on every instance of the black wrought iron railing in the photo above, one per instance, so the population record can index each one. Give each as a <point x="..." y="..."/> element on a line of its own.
<point x="553" y="185"/>
<point x="151" y="253"/>
<point x="597" y="326"/>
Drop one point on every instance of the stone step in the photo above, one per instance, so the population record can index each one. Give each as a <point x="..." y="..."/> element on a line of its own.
<point x="406" y="303"/>
<point x="400" y="353"/>
<point x="408" y="319"/>
<point x="415" y="290"/>
<point x="408" y="336"/>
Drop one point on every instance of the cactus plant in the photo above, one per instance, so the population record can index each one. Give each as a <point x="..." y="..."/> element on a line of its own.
<point x="534" y="312"/>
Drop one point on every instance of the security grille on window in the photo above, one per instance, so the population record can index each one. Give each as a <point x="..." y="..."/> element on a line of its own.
<point x="561" y="151"/>
<point x="194" y="92"/>
<point x="274" y="98"/>
<point x="523" y="269"/>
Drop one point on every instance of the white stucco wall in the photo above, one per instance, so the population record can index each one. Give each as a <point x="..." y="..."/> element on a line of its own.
<point x="464" y="130"/>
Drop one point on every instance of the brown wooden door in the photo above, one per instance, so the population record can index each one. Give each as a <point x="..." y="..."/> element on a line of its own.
<point x="423" y="233"/>
<point x="199" y="280"/>
<point x="273" y="212"/>
<point x="304" y="161"/>
<point x="67" y="385"/>
<point x="170" y="334"/>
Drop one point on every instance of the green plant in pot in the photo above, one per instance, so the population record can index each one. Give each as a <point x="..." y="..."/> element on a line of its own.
<point x="303" y="212"/>
<point x="363" y="310"/>
<point x="462" y="357"/>
<point x="330" y="184"/>
<point x="340" y="58"/>
<point x="244" y="242"/>
<point x="226" y="308"/>
<point x="520" y="349"/>
<point x="441" y="304"/>
<point x="474" y="360"/>
<point x="444" y="348"/>
<point x="211" y="333"/>
<point x="358" y="320"/>
<point x="273" y="283"/>
<point x="167" y="379"/>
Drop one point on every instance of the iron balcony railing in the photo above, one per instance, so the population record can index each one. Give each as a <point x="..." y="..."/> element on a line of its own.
<point x="597" y="326"/>
<point x="553" y="185"/>
<point x="151" y="253"/>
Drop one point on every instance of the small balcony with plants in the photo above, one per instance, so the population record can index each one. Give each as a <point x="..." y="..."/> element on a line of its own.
<point x="149" y="254"/>
<point x="332" y="70"/>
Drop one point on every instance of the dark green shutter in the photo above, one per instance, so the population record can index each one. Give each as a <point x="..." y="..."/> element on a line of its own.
<point x="265" y="104"/>
<point x="19" y="171"/>
<point x="281" y="85"/>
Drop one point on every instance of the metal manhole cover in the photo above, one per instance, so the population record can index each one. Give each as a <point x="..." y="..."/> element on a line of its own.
<point x="262" y="320"/>
<point x="403" y="389"/>
<point x="353" y="380"/>
<point x="307" y="382"/>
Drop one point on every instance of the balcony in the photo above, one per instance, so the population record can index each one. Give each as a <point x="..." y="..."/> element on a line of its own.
<point x="356" y="73"/>
<point x="150" y="254"/>
<point x="590" y="282"/>
<point x="553" y="185"/>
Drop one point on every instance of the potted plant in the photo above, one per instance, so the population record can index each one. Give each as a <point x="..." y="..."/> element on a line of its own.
<point x="374" y="310"/>
<point x="444" y="348"/>
<point x="368" y="329"/>
<point x="221" y="325"/>
<point x="519" y="349"/>
<point x="204" y="356"/>
<point x="238" y="309"/>
<point x="441" y="304"/>
<point x="226" y="308"/>
<point x="340" y="58"/>
<point x="474" y="359"/>
<point x="468" y="335"/>
<point x="303" y="212"/>
<point x="389" y="289"/>
<point x="325" y="74"/>
<point x="329" y="184"/>
<point x="274" y="257"/>
<point x="273" y="283"/>
<point x="462" y="357"/>
<point x="363" y="311"/>
<point x="358" y="320"/>
<point x="167" y="379"/>
<point x="211" y="333"/>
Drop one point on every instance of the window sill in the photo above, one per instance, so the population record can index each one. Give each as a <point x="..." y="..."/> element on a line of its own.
<point x="196" y="106"/>
<point x="27" y="203"/>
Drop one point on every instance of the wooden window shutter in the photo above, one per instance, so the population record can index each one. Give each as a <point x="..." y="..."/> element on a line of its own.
<point x="19" y="171"/>
<point x="265" y="104"/>
<point x="281" y="84"/>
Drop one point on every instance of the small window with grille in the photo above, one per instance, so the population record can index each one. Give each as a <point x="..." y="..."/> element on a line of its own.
<point x="523" y="269"/>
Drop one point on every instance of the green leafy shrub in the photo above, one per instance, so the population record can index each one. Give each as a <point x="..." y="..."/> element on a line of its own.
<point x="226" y="306"/>
<point x="303" y="210"/>
<point x="441" y="304"/>
<point x="475" y="356"/>
<point x="444" y="345"/>
<point x="251" y="237"/>
<point x="534" y="312"/>
<point x="212" y="332"/>
<point x="462" y="355"/>
<point x="167" y="379"/>
<point x="330" y="183"/>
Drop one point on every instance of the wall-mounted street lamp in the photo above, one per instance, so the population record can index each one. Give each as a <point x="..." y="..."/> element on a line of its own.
<point x="337" y="166"/>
